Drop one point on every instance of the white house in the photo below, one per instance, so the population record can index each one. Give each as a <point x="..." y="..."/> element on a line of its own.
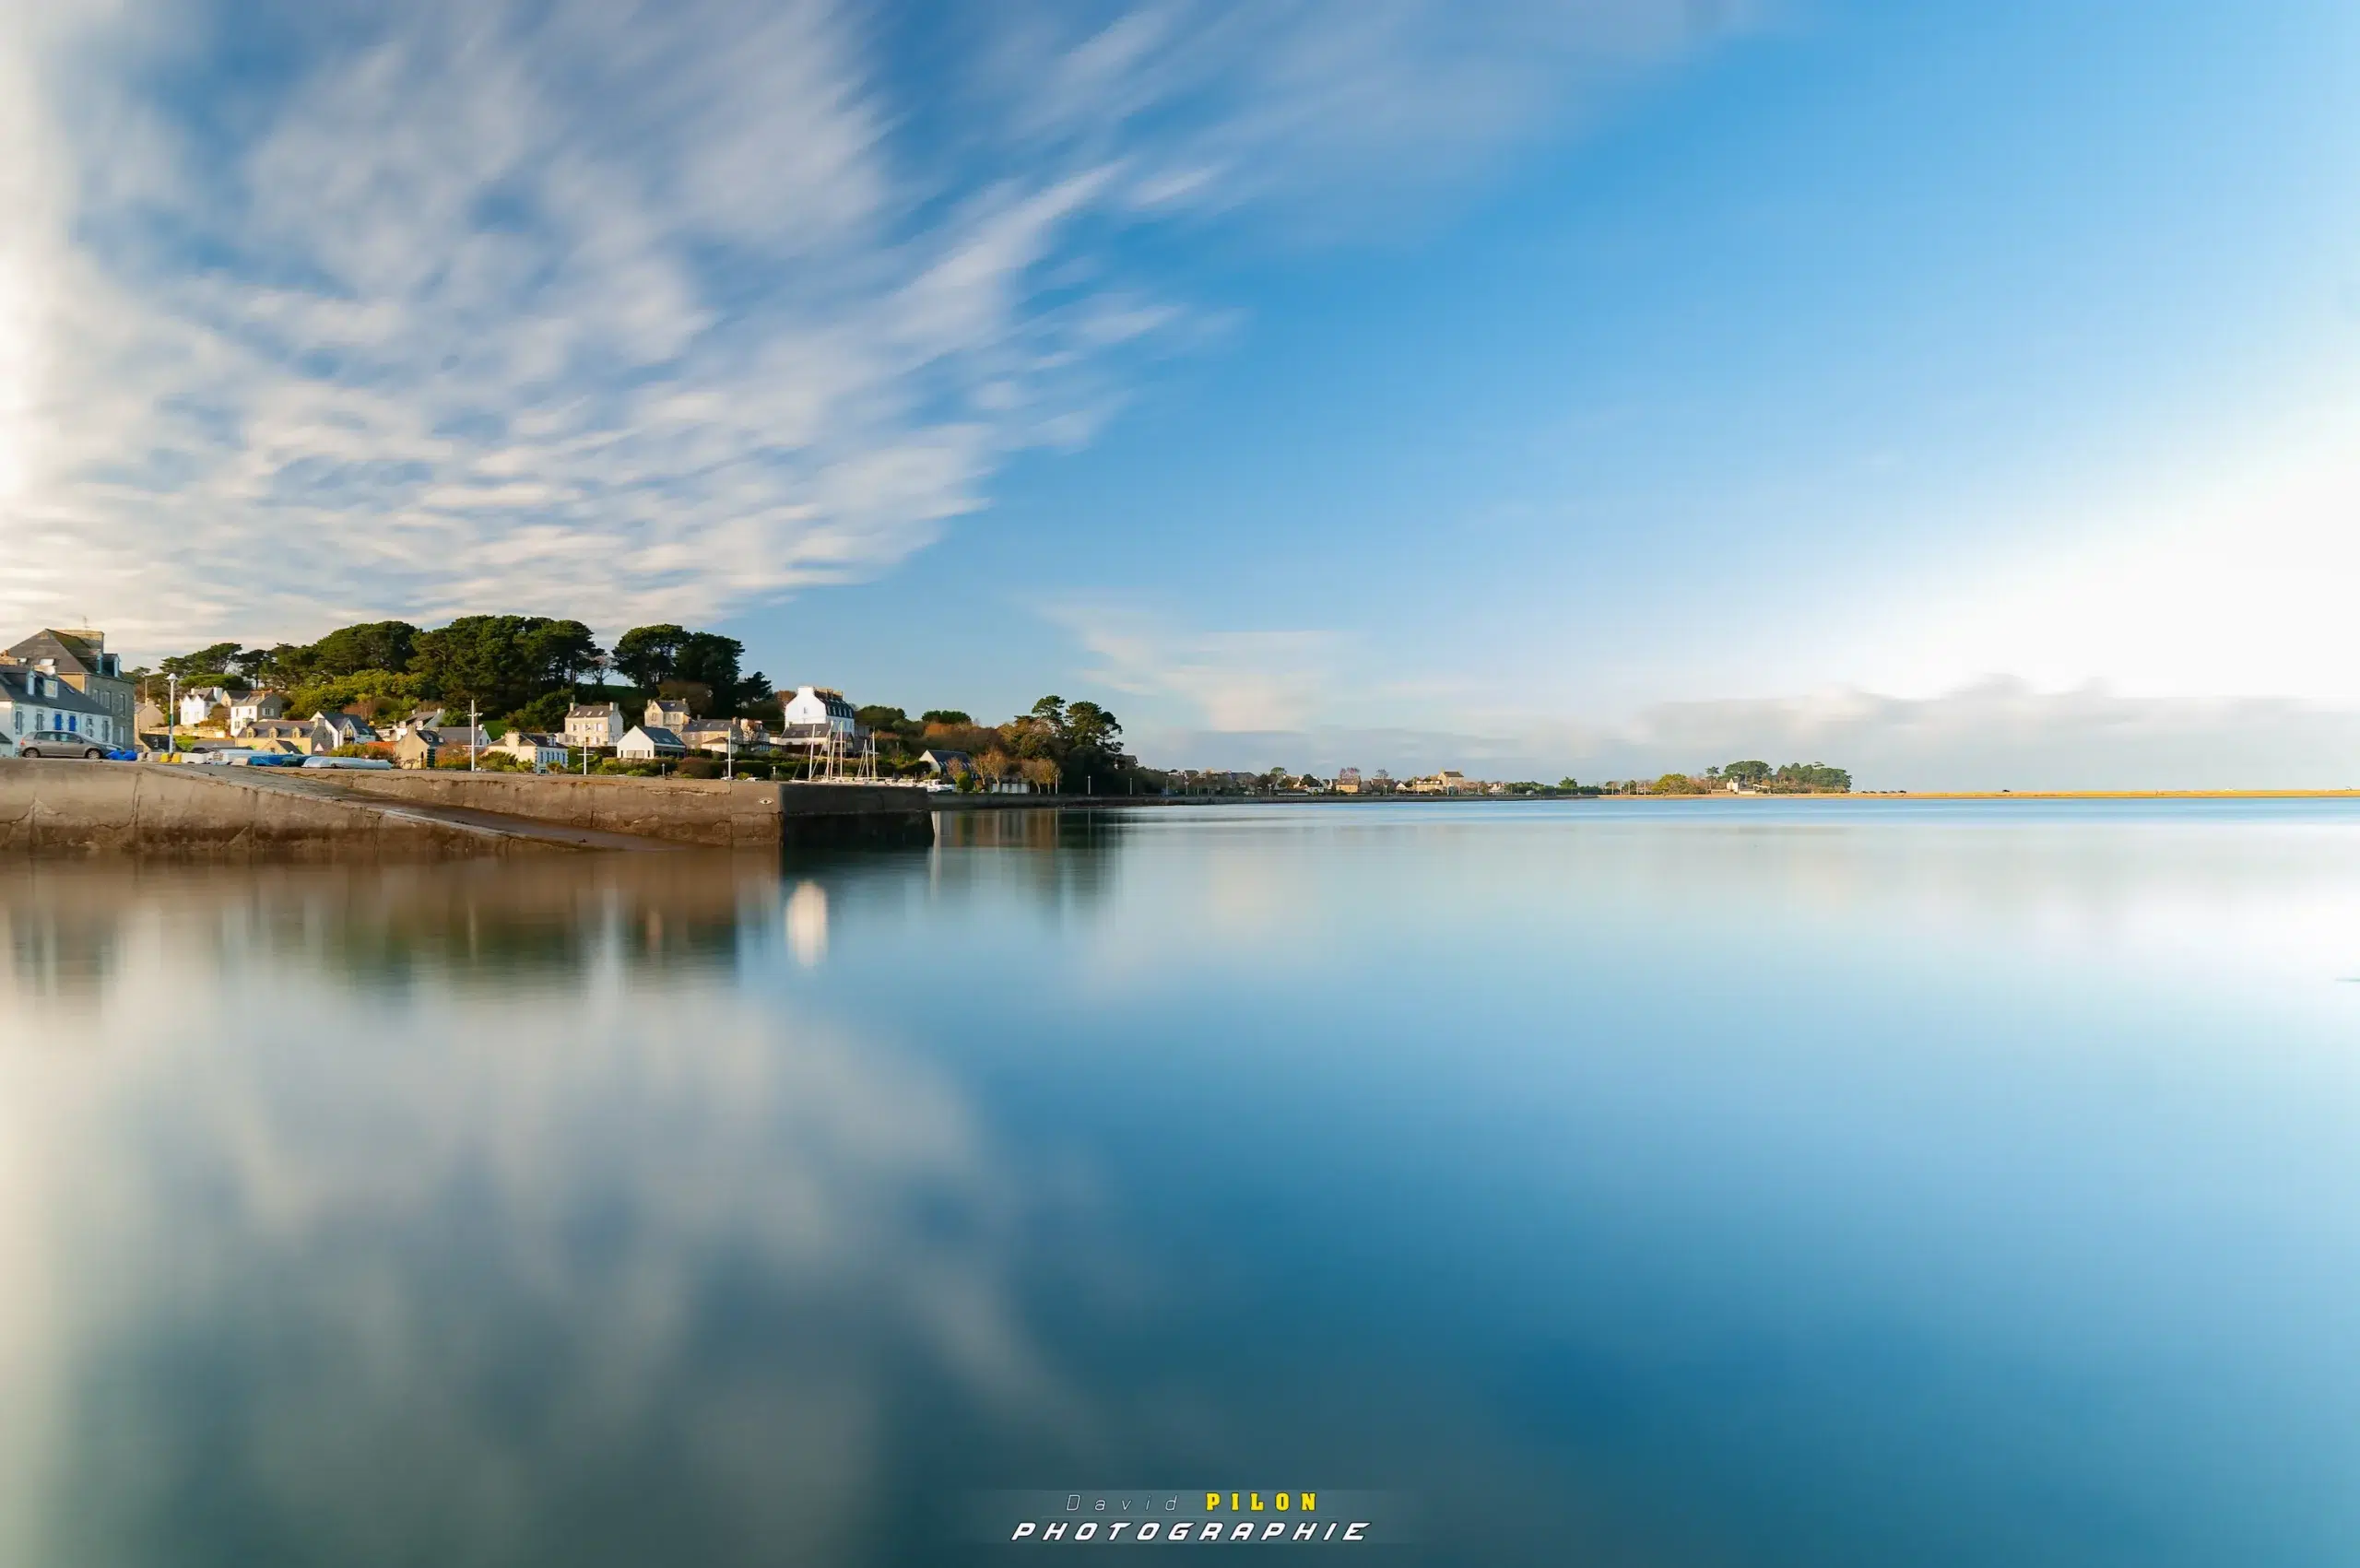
<point x="665" y="713"/>
<point x="816" y="715"/>
<point x="198" y="701"/>
<point x="646" y="743"/>
<point x="538" y="753"/>
<point x="597" y="725"/>
<point x="39" y="709"/>
<point x="332" y="730"/>
<point x="253" y="707"/>
<point x="420" y="719"/>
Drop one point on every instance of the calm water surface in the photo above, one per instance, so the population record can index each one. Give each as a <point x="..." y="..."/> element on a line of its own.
<point x="1740" y="1182"/>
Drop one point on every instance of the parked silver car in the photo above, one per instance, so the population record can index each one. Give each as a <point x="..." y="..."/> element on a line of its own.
<point x="59" y="743"/>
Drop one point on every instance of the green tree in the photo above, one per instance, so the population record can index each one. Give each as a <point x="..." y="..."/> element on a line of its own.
<point x="502" y="660"/>
<point x="1746" y="772"/>
<point x="206" y="666"/>
<point x="650" y="656"/>
<point x="545" y="714"/>
<point x="1812" y="778"/>
<point x="944" y="716"/>
<point x="712" y="660"/>
<point x="1088" y="728"/>
<point x="369" y="644"/>
<point x="560" y="651"/>
<point x="262" y="666"/>
<point x="1082" y="737"/>
<point x="1031" y="736"/>
<point x="375" y="688"/>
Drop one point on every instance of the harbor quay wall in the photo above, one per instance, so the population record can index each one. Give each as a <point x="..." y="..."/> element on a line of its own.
<point x="713" y="813"/>
<point x="52" y="808"/>
<point x="58" y="808"/>
<point x="710" y="812"/>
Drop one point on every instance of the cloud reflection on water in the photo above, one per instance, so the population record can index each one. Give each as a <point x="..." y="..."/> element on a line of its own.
<point x="493" y="1231"/>
<point x="1660" y="1183"/>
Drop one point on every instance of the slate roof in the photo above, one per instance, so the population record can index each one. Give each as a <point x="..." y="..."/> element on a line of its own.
<point x="16" y="686"/>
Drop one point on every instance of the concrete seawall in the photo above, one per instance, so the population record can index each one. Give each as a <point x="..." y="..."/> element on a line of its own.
<point x="74" y="808"/>
<point x="711" y="813"/>
<point x="62" y="810"/>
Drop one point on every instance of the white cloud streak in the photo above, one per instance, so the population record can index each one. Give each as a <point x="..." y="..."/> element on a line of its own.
<point x="1230" y="681"/>
<point x="632" y="312"/>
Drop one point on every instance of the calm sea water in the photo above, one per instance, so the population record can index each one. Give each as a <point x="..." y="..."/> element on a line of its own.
<point x="1740" y="1182"/>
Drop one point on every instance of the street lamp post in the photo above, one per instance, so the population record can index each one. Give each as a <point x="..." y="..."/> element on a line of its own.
<point x="475" y="733"/>
<point x="172" y="717"/>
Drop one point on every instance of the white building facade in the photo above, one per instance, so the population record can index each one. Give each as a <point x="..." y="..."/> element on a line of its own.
<point x="332" y="730"/>
<point x="40" y="710"/>
<point x="645" y="744"/>
<point x="253" y="708"/>
<point x="596" y="724"/>
<point x="817" y="714"/>
<point x="198" y="702"/>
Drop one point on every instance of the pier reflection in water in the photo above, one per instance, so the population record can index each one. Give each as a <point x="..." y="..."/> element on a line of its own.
<point x="1818" y="1187"/>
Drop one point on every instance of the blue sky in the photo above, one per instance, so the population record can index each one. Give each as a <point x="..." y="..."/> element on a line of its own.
<point x="1970" y="390"/>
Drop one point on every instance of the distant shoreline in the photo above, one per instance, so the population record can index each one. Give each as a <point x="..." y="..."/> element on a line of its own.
<point x="2073" y="794"/>
<point x="1670" y="799"/>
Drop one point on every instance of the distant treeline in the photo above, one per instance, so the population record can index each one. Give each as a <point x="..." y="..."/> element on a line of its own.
<point x="1792" y="778"/>
<point x="1068" y="746"/>
<point x="523" y="669"/>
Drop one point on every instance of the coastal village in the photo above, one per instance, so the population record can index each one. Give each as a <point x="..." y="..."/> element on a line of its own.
<point x="509" y="694"/>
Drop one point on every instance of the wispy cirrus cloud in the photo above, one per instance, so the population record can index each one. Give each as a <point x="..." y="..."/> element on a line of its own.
<point x="1228" y="682"/>
<point x="324" y="311"/>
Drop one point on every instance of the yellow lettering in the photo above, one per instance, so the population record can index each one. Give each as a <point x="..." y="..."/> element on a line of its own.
<point x="1280" y="1501"/>
<point x="1253" y="1501"/>
<point x="1213" y="1501"/>
<point x="1310" y="1500"/>
<point x="1233" y="1502"/>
